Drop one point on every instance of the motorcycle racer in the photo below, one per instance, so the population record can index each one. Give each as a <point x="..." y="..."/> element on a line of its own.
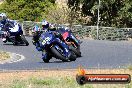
<point x="46" y="27"/>
<point x="36" y="34"/>
<point x="8" y="25"/>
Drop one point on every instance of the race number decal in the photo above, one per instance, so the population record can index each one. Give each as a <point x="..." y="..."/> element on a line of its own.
<point x="47" y="39"/>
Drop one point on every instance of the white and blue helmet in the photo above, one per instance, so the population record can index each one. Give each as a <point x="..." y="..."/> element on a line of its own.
<point x="45" y="24"/>
<point x="2" y="16"/>
<point x="36" y="28"/>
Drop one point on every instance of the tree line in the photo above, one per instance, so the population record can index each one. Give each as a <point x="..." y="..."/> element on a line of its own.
<point x="116" y="13"/>
<point x="26" y="10"/>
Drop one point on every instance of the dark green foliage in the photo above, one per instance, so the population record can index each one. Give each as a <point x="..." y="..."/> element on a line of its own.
<point x="117" y="13"/>
<point x="26" y="9"/>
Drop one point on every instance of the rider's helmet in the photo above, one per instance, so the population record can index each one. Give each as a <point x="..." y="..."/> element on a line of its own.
<point x="3" y="16"/>
<point x="36" y="29"/>
<point x="52" y="27"/>
<point x="45" y="24"/>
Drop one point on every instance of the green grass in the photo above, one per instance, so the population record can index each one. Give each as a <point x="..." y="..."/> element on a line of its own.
<point x="129" y="67"/>
<point x="55" y="83"/>
<point x="4" y="55"/>
<point x="18" y="84"/>
<point x="49" y="82"/>
<point x="62" y="82"/>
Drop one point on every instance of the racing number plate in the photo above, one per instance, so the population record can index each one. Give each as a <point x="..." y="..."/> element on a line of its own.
<point x="47" y="39"/>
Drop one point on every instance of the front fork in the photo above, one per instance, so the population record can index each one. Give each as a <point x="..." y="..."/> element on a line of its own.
<point x="74" y="38"/>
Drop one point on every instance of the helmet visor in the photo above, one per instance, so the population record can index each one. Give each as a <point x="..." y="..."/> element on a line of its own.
<point x="44" y="26"/>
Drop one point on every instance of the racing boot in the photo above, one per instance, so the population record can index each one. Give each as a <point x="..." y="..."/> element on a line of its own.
<point x="4" y="40"/>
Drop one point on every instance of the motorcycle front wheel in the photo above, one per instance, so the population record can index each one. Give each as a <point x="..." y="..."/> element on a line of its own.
<point x="58" y="55"/>
<point x="73" y="56"/>
<point x="24" y="40"/>
<point x="76" y="51"/>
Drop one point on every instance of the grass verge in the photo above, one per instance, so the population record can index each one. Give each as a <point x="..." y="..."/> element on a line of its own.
<point x="4" y="56"/>
<point x="56" y="79"/>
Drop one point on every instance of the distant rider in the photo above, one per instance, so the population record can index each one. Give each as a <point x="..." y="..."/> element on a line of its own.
<point x="7" y="25"/>
<point x="36" y="34"/>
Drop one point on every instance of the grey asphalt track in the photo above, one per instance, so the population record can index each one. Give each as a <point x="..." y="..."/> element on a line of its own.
<point x="95" y="54"/>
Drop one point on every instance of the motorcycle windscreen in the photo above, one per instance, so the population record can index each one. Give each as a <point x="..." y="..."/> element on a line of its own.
<point x="14" y="29"/>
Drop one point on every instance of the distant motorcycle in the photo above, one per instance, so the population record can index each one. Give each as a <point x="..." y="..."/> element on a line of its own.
<point x="71" y="40"/>
<point x="55" y="48"/>
<point x="14" y="34"/>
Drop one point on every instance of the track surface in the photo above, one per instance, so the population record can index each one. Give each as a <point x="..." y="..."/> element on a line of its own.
<point x="95" y="54"/>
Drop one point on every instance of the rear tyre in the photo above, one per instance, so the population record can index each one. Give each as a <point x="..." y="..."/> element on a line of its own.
<point x="58" y="55"/>
<point x="24" y="40"/>
<point x="15" y="43"/>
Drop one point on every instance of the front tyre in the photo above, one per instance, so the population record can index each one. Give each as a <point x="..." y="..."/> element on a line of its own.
<point x="76" y="51"/>
<point x="73" y="56"/>
<point x="24" y="40"/>
<point x="58" y="55"/>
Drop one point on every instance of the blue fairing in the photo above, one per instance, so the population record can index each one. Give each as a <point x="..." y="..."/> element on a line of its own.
<point x="19" y="32"/>
<point x="13" y="28"/>
<point x="48" y="39"/>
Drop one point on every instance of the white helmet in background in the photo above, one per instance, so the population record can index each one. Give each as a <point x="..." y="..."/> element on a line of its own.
<point x="2" y="16"/>
<point x="52" y="27"/>
<point x="45" y="24"/>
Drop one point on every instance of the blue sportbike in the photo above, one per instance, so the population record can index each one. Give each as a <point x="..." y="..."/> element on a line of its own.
<point x="13" y="33"/>
<point x="55" y="47"/>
